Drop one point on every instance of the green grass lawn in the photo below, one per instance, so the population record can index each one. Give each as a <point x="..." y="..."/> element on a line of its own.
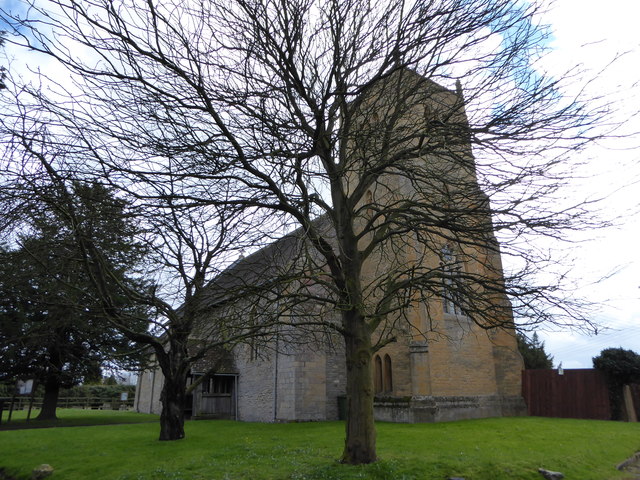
<point x="73" y="417"/>
<point x="490" y="449"/>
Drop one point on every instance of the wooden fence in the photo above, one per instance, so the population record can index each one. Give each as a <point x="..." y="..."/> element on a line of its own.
<point x="576" y="393"/>
<point x="97" y="403"/>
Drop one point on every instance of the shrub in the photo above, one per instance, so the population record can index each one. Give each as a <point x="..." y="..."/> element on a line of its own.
<point x="103" y="392"/>
<point x="620" y="367"/>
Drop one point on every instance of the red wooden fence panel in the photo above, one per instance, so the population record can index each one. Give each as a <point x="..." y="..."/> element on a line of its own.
<point x="577" y="393"/>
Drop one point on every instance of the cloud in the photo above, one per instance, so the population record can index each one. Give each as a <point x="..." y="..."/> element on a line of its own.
<point x="605" y="41"/>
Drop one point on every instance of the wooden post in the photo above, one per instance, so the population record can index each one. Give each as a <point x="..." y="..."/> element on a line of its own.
<point x="33" y="394"/>
<point x="628" y="404"/>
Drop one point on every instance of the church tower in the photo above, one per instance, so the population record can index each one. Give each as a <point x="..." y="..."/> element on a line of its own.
<point x="447" y="344"/>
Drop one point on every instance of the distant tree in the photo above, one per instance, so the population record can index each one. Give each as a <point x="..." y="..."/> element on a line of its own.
<point x="93" y="375"/>
<point x="620" y="367"/>
<point x="52" y="327"/>
<point x="110" y="380"/>
<point x="533" y="353"/>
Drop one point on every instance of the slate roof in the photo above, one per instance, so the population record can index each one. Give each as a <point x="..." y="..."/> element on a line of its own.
<point x="260" y="270"/>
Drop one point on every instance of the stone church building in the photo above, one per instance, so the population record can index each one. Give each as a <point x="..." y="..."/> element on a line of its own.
<point x="445" y="367"/>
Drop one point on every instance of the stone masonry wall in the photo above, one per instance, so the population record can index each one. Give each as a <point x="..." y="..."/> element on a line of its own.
<point x="335" y="372"/>
<point x="462" y="361"/>
<point x="310" y="385"/>
<point x="255" y="387"/>
<point x="148" y="391"/>
<point x="286" y="393"/>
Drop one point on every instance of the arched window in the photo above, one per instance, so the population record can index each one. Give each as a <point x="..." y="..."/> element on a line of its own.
<point x="377" y="374"/>
<point x="369" y="204"/>
<point x="450" y="282"/>
<point x="387" y="376"/>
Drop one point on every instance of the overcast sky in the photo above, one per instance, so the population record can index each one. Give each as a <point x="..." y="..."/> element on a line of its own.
<point x="594" y="33"/>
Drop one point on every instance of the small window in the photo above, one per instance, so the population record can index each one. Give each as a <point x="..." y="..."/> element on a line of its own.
<point x="450" y="282"/>
<point x="369" y="205"/>
<point x="382" y="374"/>
<point x="428" y="114"/>
<point x="377" y="374"/>
<point x="388" y="376"/>
<point x="254" y="347"/>
<point x="206" y="385"/>
<point x="221" y="384"/>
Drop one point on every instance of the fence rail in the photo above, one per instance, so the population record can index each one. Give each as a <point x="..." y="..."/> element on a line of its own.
<point x="95" y="403"/>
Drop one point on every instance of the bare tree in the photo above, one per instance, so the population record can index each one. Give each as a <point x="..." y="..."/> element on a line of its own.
<point x="186" y="247"/>
<point x="339" y="109"/>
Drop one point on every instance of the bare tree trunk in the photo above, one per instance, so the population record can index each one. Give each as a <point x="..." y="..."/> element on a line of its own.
<point x="360" y="442"/>
<point x="50" y="400"/>
<point x="175" y="365"/>
<point x="172" y="416"/>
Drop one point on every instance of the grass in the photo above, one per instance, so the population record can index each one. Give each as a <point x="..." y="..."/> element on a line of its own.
<point x="69" y="417"/>
<point x="489" y="449"/>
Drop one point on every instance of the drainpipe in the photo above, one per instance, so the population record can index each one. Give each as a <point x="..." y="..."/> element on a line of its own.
<point x="275" y="382"/>
<point x="138" y="390"/>
<point x="275" y="372"/>
<point x="235" y="394"/>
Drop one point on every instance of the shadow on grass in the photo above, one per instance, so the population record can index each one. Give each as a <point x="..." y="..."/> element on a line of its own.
<point x="6" y="476"/>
